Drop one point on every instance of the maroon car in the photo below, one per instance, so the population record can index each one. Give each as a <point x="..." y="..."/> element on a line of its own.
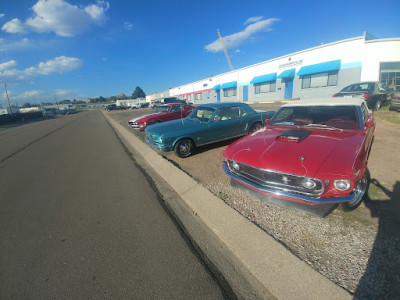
<point x="312" y="152"/>
<point x="162" y="113"/>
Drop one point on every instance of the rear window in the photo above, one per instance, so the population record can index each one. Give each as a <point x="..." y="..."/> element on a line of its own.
<point x="359" y="87"/>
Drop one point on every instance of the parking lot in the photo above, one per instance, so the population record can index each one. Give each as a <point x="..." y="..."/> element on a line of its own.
<point x="358" y="250"/>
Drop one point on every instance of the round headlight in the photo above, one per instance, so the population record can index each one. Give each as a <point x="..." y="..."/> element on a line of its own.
<point x="342" y="185"/>
<point x="235" y="166"/>
<point x="309" y="184"/>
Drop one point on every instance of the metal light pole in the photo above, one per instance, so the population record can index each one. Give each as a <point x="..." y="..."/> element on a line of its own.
<point x="8" y="99"/>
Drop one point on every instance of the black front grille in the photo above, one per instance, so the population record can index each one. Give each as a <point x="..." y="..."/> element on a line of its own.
<point x="275" y="180"/>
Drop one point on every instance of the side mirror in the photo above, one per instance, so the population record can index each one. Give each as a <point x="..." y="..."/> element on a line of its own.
<point x="369" y="124"/>
<point x="267" y="121"/>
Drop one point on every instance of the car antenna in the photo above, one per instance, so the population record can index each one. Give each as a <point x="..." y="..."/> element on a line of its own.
<point x="182" y="113"/>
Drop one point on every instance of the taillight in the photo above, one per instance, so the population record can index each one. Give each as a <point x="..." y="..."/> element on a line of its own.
<point x="366" y="95"/>
<point x="395" y="98"/>
<point x="334" y="95"/>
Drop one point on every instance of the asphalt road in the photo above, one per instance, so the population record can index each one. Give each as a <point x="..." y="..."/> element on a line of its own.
<point x="78" y="220"/>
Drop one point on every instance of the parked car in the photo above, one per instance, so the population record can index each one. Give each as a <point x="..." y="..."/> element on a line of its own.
<point x="395" y="101"/>
<point x="312" y="152"/>
<point x="114" y="107"/>
<point x="155" y="104"/>
<point x="162" y="113"/>
<point x="173" y="100"/>
<point x="206" y="124"/>
<point x="144" y="105"/>
<point x="167" y="100"/>
<point x="372" y="92"/>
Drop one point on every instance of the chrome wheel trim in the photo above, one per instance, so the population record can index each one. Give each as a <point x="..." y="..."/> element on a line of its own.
<point x="360" y="191"/>
<point x="184" y="148"/>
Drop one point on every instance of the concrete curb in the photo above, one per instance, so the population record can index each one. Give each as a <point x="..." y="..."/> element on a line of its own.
<point x="254" y="264"/>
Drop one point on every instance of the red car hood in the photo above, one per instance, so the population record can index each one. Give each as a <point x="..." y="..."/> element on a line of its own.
<point x="318" y="150"/>
<point x="146" y="117"/>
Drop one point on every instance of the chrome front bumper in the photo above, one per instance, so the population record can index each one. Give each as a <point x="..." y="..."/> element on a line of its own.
<point x="287" y="195"/>
<point x="162" y="147"/>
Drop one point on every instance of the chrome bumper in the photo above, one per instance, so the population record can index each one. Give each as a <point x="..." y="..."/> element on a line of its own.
<point x="161" y="147"/>
<point x="283" y="194"/>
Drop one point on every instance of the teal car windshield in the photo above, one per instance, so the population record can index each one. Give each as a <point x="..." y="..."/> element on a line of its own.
<point x="201" y="113"/>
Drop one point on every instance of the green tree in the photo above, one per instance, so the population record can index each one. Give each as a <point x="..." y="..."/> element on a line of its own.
<point x="138" y="93"/>
<point x="26" y="105"/>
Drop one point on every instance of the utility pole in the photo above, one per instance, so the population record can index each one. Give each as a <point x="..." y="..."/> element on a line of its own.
<point x="8" y="99"/>
<point x="55" y="98"/>
<point x="225" y="51"/>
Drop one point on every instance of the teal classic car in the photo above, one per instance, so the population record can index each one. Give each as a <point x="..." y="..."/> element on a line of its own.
<point x="208" y="123"/>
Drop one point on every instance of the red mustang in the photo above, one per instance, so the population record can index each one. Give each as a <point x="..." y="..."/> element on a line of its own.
<point x="312" y="152"/>
<point x="162" y="113"/>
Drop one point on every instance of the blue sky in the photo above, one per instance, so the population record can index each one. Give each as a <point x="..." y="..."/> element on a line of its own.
<point x="66" y="49"/>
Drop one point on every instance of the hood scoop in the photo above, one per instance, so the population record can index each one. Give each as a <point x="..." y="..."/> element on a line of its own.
<point x="293" y="135"/>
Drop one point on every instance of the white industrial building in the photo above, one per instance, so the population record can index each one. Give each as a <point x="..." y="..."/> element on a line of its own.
<point x="316" y="72"/>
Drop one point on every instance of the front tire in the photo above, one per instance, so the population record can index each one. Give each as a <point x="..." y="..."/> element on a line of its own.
<point x="361" y="193"/>
<point x="184" y="148"/>
<point x="256" y="126"/>
<point x="378" y="104"/>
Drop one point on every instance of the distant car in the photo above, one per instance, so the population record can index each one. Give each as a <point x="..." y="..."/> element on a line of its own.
<point x="162" y="113"/>
<point x="313" y="152"/>
<point x="208" y="123"/>
<point x="167" y="100"/>
<point x="374" y="94"/>
<point x="155" y="104"/>
<point x="144" y="105"/>
<point x="114" y="107"/>
<point x="395" y="101"/>
<point x="48" y="113"/>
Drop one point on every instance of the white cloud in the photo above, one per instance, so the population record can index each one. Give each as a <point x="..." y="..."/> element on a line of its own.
<point x="2" y="15"/>
<point x="61" y="92"/>
<point x="28" y="95"/>
<point x="14" y="26"/>
<point x="253" y="20"/>
<point x="59" y="64"/>
<point x="128" y="26"/>
<point x="7" y="65"/>
<point x="237" y="39"/>
<point x="60" y="17"/>
<point x="6" y="45"/>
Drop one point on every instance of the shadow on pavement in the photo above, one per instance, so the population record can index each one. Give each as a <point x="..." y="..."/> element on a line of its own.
<point x="382" y="276"/>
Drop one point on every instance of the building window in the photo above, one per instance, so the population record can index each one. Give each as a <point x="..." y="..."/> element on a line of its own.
<point x="189" y="97"/>
<point x="198" y="96"/>
<point x="319" y="80"/>
<point x="230" y="92"/>
<point x="390" y="75"/>
<point x="265" y="87"/>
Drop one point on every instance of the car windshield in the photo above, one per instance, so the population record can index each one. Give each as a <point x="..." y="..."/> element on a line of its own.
<point x="328" y="117"/>
<point x="161" y="109"/>
<point x="359" y="87"/>
<point x="202" y="113"/>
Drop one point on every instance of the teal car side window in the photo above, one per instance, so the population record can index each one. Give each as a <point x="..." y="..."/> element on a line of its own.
<point x="228" y="113"/>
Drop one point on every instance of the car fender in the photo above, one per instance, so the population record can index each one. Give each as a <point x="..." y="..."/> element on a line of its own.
<point x="183" y="137"/>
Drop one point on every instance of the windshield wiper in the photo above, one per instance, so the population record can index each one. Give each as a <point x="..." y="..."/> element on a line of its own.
<point x="284" y="123"/>
<point x="321" y="126"/>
